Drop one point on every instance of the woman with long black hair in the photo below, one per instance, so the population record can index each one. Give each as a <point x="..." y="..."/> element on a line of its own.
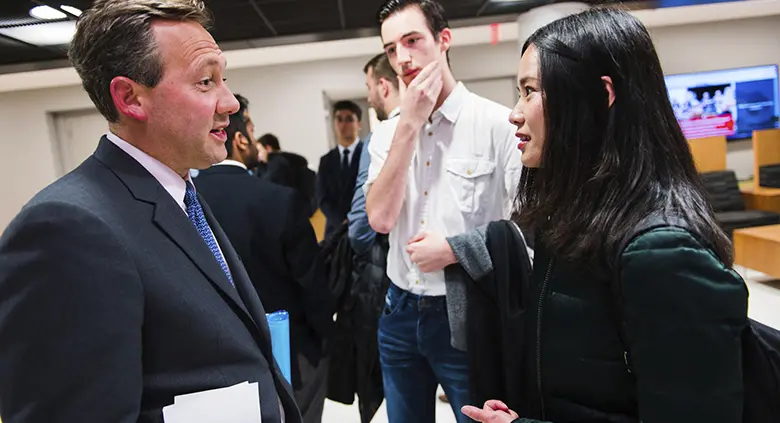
<point x="604" y="153"/>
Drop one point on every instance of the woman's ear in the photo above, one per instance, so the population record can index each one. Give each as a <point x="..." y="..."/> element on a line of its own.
<point x="610" y="89"/>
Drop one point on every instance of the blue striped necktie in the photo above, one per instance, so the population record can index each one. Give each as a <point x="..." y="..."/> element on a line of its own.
<point x="195" y="213"/>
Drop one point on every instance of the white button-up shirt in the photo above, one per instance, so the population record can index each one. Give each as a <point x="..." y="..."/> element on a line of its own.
<point x="463" y="174"/>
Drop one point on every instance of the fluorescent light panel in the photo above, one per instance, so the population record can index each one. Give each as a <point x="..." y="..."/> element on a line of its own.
<point x="47" y="13"/>
<point x="70" y="9"/>
<point x="44" y="34"/>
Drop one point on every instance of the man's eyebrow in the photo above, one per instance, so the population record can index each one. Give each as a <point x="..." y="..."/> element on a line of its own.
<point x="209" y="62"/>
<point x="402" y="37"/>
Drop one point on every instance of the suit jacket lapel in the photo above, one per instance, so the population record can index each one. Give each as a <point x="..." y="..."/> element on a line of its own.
<point x="172" y="220"/>
<point x="169" y="217"/>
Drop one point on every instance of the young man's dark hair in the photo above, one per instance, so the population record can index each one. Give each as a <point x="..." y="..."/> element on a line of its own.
<point x="350" y="106"/>
<point x="270" y="140"/>
<point x="236" y="125"/>
<point x="433" y="11"/>
<point x="382" y="69"/>
<point x="243" y="106"/>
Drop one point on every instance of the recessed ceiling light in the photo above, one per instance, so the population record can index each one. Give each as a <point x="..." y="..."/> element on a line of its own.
<point x="43" y="34"/>
<point x="70" y="9"/>
<point x="47" y="13"/>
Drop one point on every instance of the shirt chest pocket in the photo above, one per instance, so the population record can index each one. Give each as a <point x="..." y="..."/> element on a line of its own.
<point x="470" y="180"/>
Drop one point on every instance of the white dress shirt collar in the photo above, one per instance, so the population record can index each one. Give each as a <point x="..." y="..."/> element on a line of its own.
<point x="173" y="183"/>
<point x="350" y="147"/>
<point x="395" y="112"/>
<point x="228" y="162"/>
<point x="453" y="104"/>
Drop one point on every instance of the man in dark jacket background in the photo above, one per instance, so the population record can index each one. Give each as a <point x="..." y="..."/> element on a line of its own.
<point x="268" y="226"/>
<point x="287" y="169"/>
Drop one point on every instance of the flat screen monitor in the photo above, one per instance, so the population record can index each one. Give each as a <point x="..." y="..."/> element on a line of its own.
<point x="732" y="102"/>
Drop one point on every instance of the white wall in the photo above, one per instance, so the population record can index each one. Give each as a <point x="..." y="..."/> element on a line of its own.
<point x="288" y="99"/>
<point x="27" y="143"/>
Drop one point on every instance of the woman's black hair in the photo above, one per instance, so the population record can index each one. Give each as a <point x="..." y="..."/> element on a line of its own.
<point x="603" y="169"/>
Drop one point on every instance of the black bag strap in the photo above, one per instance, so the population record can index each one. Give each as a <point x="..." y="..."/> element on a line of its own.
<point x="649" y="223"/>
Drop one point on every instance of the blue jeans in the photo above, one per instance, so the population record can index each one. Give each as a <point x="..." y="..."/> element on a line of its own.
<point x="416" y="356"/>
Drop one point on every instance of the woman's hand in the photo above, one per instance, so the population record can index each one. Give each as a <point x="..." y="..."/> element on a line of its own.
<point x="493" y="411"/>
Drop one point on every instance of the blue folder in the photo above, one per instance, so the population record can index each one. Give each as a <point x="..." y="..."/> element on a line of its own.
<point x="279" y="324"/>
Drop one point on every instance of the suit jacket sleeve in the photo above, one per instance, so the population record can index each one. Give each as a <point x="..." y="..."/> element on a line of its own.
<point x="302" y="257"/>
<point x="325" y="198"/>
<point x="71" y="312"/>
<point x="684" y="312"/>
<point x="361" y="235"/>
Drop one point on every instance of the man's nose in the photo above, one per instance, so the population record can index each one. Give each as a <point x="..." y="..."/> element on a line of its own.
<point x="403" y="55"/>
<point x="227" y="104"/>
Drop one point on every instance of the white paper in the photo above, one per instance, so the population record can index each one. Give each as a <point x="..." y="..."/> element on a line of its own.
<point x="235" y="404"/>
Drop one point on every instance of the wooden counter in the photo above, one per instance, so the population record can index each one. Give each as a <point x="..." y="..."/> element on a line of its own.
<point x="758" y="248"/>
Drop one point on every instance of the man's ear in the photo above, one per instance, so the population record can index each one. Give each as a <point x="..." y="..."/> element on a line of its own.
<point x="129" y="98"/>
<point x="236" y="142"/>
<point x="242" y="142"/>
<point x="610" y="89"/>
<point x="384" y="87"/>
<point x="445" y="39"/>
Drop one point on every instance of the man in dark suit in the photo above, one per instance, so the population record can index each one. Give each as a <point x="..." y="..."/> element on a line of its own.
<point x="118" y="289"/>
<point x="339" y="167"/>
<point x="288" y="169"/>
<point x="269" y="227"/>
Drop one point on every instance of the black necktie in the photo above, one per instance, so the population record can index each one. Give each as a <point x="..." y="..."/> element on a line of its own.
<point x="345" y="160"/>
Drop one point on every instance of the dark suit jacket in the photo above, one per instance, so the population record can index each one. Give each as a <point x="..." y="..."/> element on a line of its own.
<point x="334" y="192"/>
<point x="111" y="304"/>
<point x="269" y="227"/>
<point x="292" y="170"/>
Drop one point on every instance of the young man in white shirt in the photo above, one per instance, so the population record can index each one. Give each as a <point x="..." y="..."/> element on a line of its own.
<point x="447" y="164"/>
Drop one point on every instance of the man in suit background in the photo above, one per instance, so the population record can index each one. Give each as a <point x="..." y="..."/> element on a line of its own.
<point x="118" y="288"/>
<point x="288" y="169"/>
<point x="269" y="227"/>
<point x="339" y="167"/>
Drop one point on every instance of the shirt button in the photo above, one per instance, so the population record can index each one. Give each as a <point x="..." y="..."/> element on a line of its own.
<point x="422" y="222"/>
<point x="430" y="133"/>
<point x="425" y="193"/>
<point x="468" y="172"/>
<point x="428" y="163"/>
<point x="416" y="281"/>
